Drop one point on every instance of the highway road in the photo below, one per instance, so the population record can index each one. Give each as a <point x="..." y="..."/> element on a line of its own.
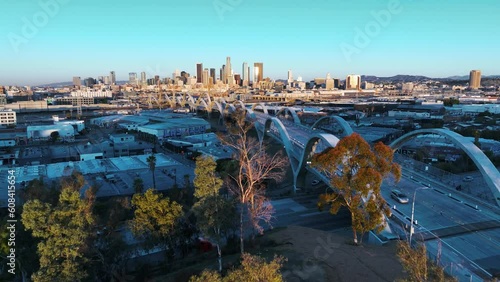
<point x="473" y="236"/>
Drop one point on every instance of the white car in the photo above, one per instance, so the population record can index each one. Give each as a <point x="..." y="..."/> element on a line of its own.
<point x="468" y="178"/>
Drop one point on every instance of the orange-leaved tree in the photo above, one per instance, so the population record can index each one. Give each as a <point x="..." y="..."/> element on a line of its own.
<point x="356" y="171"/>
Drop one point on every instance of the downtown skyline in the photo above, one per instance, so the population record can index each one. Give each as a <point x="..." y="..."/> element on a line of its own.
<point x="312" y="39"/>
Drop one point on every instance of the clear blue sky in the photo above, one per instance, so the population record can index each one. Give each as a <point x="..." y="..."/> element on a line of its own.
<point x="90" y="38"/>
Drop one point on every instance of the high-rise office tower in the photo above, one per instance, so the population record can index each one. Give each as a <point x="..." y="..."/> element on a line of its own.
<point x="143" y="78"/>
<point x="290" y="77"/>
<point x="106" y="80"/>
<point x="112" y="77"/>
<point x="212" y="76"/>
<point x="89" y="82"/>
<point x="221" y="74"/>
<point x="205" y="78"/>
<point x="176" y="73"/>
<point x="77" y="81"/>
<point x="258" y="72"/>
<point x="199" y="72"/>
<point x="224" y="74"/>
<point x="475" y="79"/>
<point x="353" y="82"/>
<point x="245" y="72"/>
<point x="229" y="72"/>
<point x="132" y="78"/>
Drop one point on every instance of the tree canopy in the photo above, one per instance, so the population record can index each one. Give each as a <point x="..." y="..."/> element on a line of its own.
<point x="356" y="172"/>
<point x="154" y="216"/>
<point x="252" y="269"/>
<point x="64" y="230"/>
<point x="206" y="182"/>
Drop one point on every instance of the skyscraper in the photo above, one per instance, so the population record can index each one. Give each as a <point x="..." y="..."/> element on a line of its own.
<point x="290" y="77"/>
<point x="89" y="82"/>
<point x="132" y="78"/>
<point x="353" y="82"/>
<point x="229" y="72"/>
<point x="475" y="79"/>
<point x="199" y="72"/>
<point x="212" y="75"/>
<point x="112" y="77"/>
<point x="245" y="72"/>
<point x="205" y="78"/>
<point x="176" y="73"/>
<point x="77" y="81"/>
<point x="258" y="72"/>
<point x="143" y="77"/>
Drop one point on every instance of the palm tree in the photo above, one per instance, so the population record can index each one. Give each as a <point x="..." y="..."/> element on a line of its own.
<point x="152" y="165"/>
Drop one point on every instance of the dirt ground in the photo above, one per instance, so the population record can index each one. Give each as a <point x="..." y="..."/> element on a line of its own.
<point x="313" y="255"/>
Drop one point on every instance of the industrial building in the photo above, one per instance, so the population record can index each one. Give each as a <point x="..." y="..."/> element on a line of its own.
<point x="42" y="132"/>
<point x="174" y="128"/>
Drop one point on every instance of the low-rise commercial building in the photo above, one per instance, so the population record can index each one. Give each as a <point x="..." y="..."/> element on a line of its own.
<point x="174" y="128"/>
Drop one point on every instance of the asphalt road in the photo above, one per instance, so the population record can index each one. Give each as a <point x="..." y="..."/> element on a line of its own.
<point x="471" y="236"/>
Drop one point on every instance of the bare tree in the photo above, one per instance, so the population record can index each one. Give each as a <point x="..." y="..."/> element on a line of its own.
<point x="255" y="166"/>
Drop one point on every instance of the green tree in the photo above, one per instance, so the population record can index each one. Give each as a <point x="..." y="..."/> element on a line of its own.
<point x="417" y="265"/>
<point x="37" y="189"/>
<point x="255" y="166"/>
<point x="154" y="217"/>
<point x="110" y="253"/>
<point x="356" y="173"/>
<point x="138" y="185"/>
<point x="206" y="181"/>
<point x="252" y="269"/>
<point x="65" y="233"/>
<point x="214" y="213"/>
<point x="152" y="166"/>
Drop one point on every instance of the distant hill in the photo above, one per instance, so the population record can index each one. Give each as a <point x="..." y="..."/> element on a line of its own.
<point x="395" y="79"/>
<point x="418" y="78"/>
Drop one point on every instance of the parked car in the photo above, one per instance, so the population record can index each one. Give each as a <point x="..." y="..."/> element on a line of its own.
<point x="468" y="178"/>
<point x="314" y="182"/>
<point x="399" y="196"/>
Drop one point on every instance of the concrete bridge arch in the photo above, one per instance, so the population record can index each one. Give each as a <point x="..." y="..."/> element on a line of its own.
<point x="488" y="171"/>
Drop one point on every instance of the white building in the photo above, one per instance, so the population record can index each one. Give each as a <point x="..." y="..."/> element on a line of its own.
<point x="122" y="138"/>
<point x="8" y="117"/>
<point x="42" y="132"/>
<point x="78" y="125"/>
<point x="93" y="93"/>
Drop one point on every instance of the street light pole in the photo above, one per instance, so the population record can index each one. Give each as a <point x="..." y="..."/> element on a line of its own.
<point x="413" y="209"/>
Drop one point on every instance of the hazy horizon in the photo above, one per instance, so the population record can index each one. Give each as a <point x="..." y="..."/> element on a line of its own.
<point x="51" y="41"/>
